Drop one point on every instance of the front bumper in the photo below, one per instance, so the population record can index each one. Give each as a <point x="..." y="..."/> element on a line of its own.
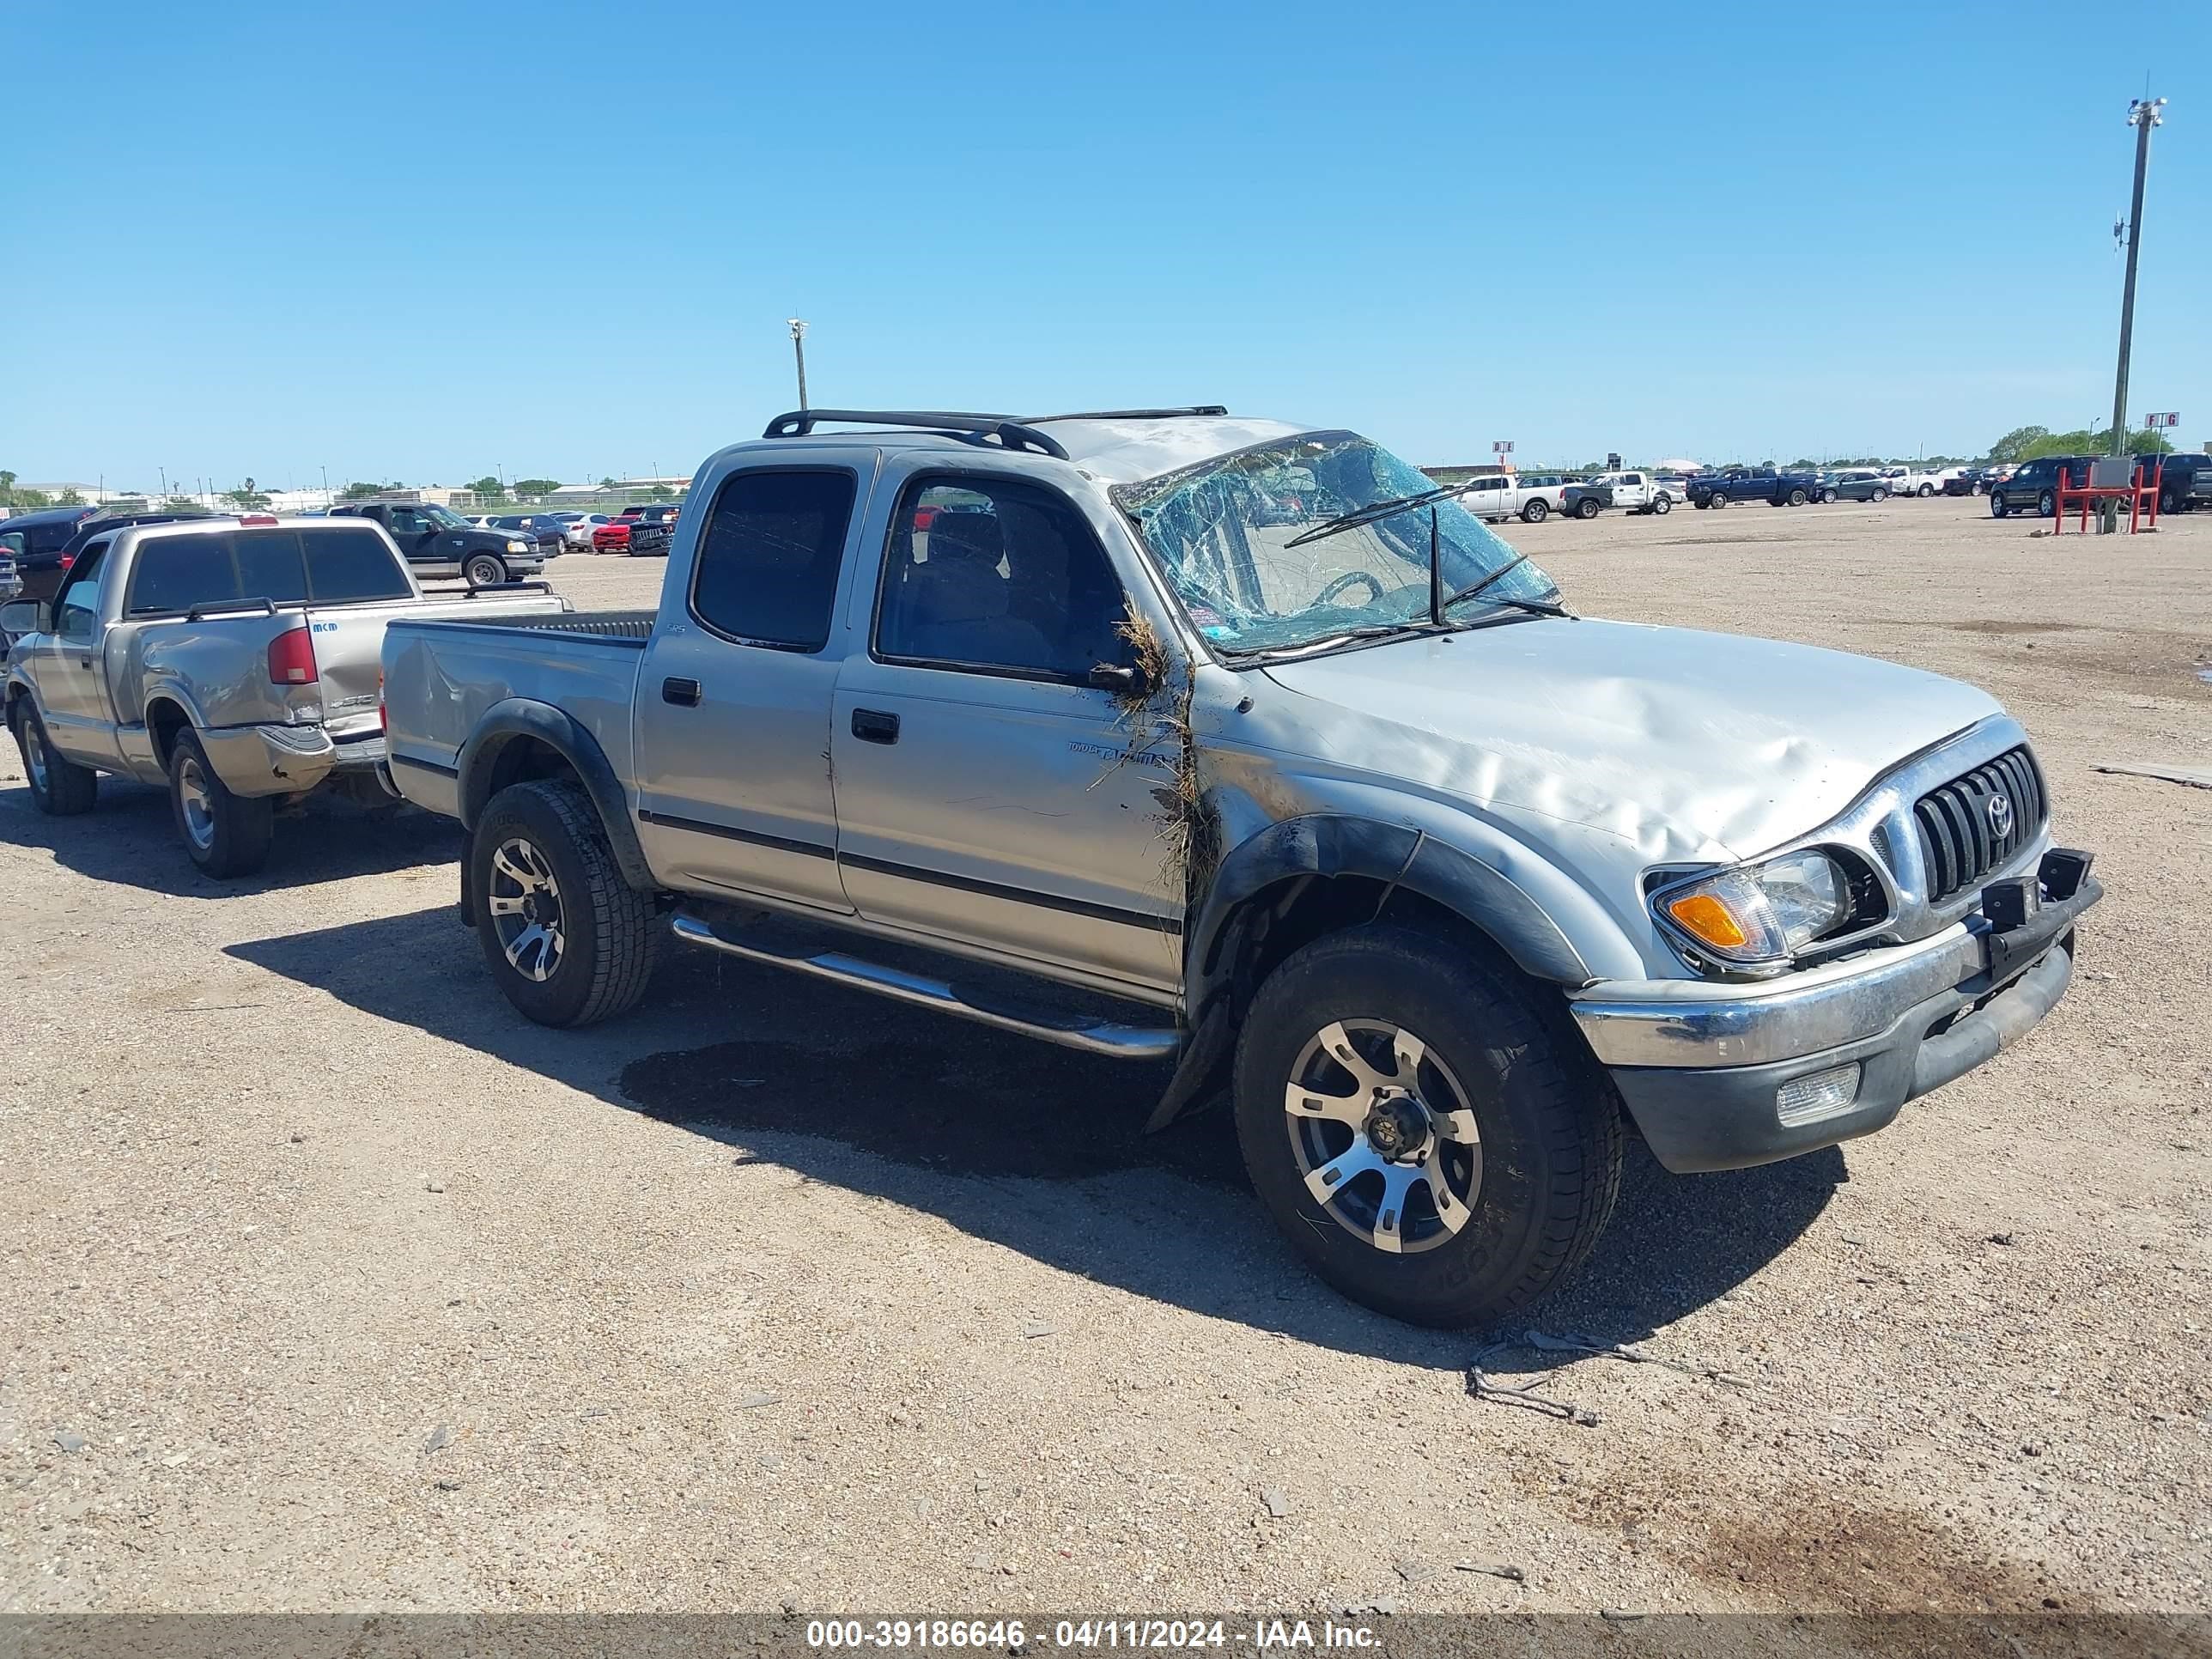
<point x="1702" y="1070"/>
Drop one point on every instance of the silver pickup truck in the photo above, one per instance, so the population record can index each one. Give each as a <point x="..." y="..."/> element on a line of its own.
<point x="233" y="659"/>
<point x="1241" y="743"/>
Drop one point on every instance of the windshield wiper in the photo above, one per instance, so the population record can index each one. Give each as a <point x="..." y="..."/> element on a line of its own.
<point x="1368" y="514"/>
<point x="1474" y="590"/>
<point x="1328" y="642"/>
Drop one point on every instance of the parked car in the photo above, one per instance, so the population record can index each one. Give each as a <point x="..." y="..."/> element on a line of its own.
<point x="1638" y="493"/>
<point x="638" y="538"/>
<point x="234" y="660"/>
<point x="546" y="529"/>
<point x="1914" y="481"/>
<point x="2035" y="485"/>
<point x="2185" y="481"/>
<point x="1961" y="480"/>
<point x="1852" y="484"/>
<point x="576" y="528"/>
<point x="1840" y="893"/>
<point x="440" y="545"/>
<point x="1497" y="496"/>
<point x="1752" y="483"/>
<point x="1586" y="498"/>
<point x="1676" y="484"/>
<point x="44" y="533"/>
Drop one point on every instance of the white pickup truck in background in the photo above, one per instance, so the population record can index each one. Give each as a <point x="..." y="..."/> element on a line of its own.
<point x="1496" y="498"/>
<point x="237" y="660"/>
<point x="1639" y="492"/>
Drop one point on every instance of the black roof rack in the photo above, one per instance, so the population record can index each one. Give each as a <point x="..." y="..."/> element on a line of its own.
<point x="1009" y="431"/>
<point x="1129" y="414"/>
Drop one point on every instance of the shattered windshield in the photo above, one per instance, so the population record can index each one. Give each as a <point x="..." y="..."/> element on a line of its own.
<point x="1221" y="531"/>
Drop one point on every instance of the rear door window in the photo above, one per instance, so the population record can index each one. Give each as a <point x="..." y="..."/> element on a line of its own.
<point x="769" y="555"/>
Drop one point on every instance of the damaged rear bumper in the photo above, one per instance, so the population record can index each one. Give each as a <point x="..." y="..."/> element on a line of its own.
<point x="1723" y="1077"/>
<point x="285" y="760"/>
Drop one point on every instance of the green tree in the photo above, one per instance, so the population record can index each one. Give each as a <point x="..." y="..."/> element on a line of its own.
<point x="181" y="504"/>
<point x="662" y="493"/>
<point x="246" y="499"/>
<point x="70" y="498"/>
<point x="536" y="486"/>
<point x="359" y="492"/>
<point x="607" y="483"/>
<point x="2016" y="444"/>
<point x="488" y="485"/>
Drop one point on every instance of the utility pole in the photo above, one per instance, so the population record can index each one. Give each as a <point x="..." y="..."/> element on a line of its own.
<point x="2143" y="115"/>
<point x="798" y="350"/>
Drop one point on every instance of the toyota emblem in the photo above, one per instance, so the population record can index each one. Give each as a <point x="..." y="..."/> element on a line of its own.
<point x="1999" y="810"/>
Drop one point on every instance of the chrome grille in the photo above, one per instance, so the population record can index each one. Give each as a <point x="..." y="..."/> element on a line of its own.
<point x="1964" y="836"/>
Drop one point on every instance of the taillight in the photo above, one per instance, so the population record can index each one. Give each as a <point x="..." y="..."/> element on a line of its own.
<point x="68" y="559"/>
<point x="292" y="658"/>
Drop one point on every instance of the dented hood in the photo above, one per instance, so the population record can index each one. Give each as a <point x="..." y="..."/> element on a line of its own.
<point x="1690" y="744"/>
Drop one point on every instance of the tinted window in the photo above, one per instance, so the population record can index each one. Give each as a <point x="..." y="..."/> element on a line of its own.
<point x="990" y="573"/>
<point x="769" y="554"/>
<point x="344" y="566"/>
<point x="175" y="572"/>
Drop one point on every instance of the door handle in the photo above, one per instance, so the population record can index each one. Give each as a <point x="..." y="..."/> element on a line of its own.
<point x="684" y="694"/>
<point x="874" y="726"/>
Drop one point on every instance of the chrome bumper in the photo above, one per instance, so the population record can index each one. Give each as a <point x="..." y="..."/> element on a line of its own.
<point x="283" y="760"/>
<point x="1687" y="1023"/>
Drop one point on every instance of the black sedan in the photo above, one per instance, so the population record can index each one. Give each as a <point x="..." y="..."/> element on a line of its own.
<point x="547" y="531"/>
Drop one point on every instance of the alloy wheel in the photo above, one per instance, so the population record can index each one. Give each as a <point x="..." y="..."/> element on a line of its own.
<point x="524" y="902"/>
<point x="1384" y="1135"/>
<point x="198" y="801"/>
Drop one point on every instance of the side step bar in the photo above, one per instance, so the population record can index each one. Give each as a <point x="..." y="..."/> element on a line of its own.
<point x="1116" y="1041"/>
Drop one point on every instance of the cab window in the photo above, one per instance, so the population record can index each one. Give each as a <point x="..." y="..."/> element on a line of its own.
<point x="77" y="607"/>
<point x="995" y="576"/>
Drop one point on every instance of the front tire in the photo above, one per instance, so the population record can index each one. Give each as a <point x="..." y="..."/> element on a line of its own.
<point x="569" y="942"/>
<point x="1419" y="1131"/>
<point x="1716" y="500"/>
<point x="1998" y="507"/>
<point x="226" y="834"/>
<point x="1535" y="512"/>
<point x="2046" y="505"/>
<point x="59" y="787"/>
<point x="485" y="570"/>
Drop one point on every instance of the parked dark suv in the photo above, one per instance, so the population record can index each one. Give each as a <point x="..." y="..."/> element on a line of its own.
<point x="2184" y="482"/>
<point x="46" y="532"/>
<point x="2034" y="487"/>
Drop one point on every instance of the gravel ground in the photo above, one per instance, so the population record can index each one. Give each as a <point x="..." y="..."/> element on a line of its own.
<point x="326" y="1282"/>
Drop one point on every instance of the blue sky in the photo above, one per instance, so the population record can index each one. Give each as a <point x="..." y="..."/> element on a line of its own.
<point x="432" y="240"/>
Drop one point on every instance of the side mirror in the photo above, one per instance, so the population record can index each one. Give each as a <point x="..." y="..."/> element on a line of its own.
<point x="1122" y="682"/>
<point x="23" y="617"/>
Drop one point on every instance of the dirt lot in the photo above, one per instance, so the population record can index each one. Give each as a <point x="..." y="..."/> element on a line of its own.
<point x="327" y="1282"/>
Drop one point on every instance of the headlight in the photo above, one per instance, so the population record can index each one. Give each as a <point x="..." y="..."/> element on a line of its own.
<point x="1762" y="912"/>
<point x="517" y="547"/>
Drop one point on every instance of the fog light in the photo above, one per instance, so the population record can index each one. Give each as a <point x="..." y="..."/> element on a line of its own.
<point x="1822" y="1094"/>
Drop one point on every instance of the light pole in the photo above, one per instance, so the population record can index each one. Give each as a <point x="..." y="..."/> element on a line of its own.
<point x="2143" y="115"/>
<point x="798" y="350"/>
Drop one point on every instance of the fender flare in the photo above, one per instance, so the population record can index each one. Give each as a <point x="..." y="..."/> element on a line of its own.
<point x="1326" y="845"/>
<point x="1399" y="854"/>
<point x="560" y="731"/>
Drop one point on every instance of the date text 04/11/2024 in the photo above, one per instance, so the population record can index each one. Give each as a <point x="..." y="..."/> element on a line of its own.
<point x="1007" y="1635"/>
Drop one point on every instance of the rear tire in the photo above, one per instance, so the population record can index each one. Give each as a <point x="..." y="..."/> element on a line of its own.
<point x="485" y="570"/>
<point x="1880" y="494"/>
<point x="226" y="834"/>
<point x="60" y="788"/>
<point x="1664" y="504"/>
<point x="569" y="942"/>
<point x="1535" y="512"/>
<point x="1796" y="498"/>
<point x="1926" y="490"/>
<point x="1586" y="509"/>
<point x="1523" y="1132"/>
